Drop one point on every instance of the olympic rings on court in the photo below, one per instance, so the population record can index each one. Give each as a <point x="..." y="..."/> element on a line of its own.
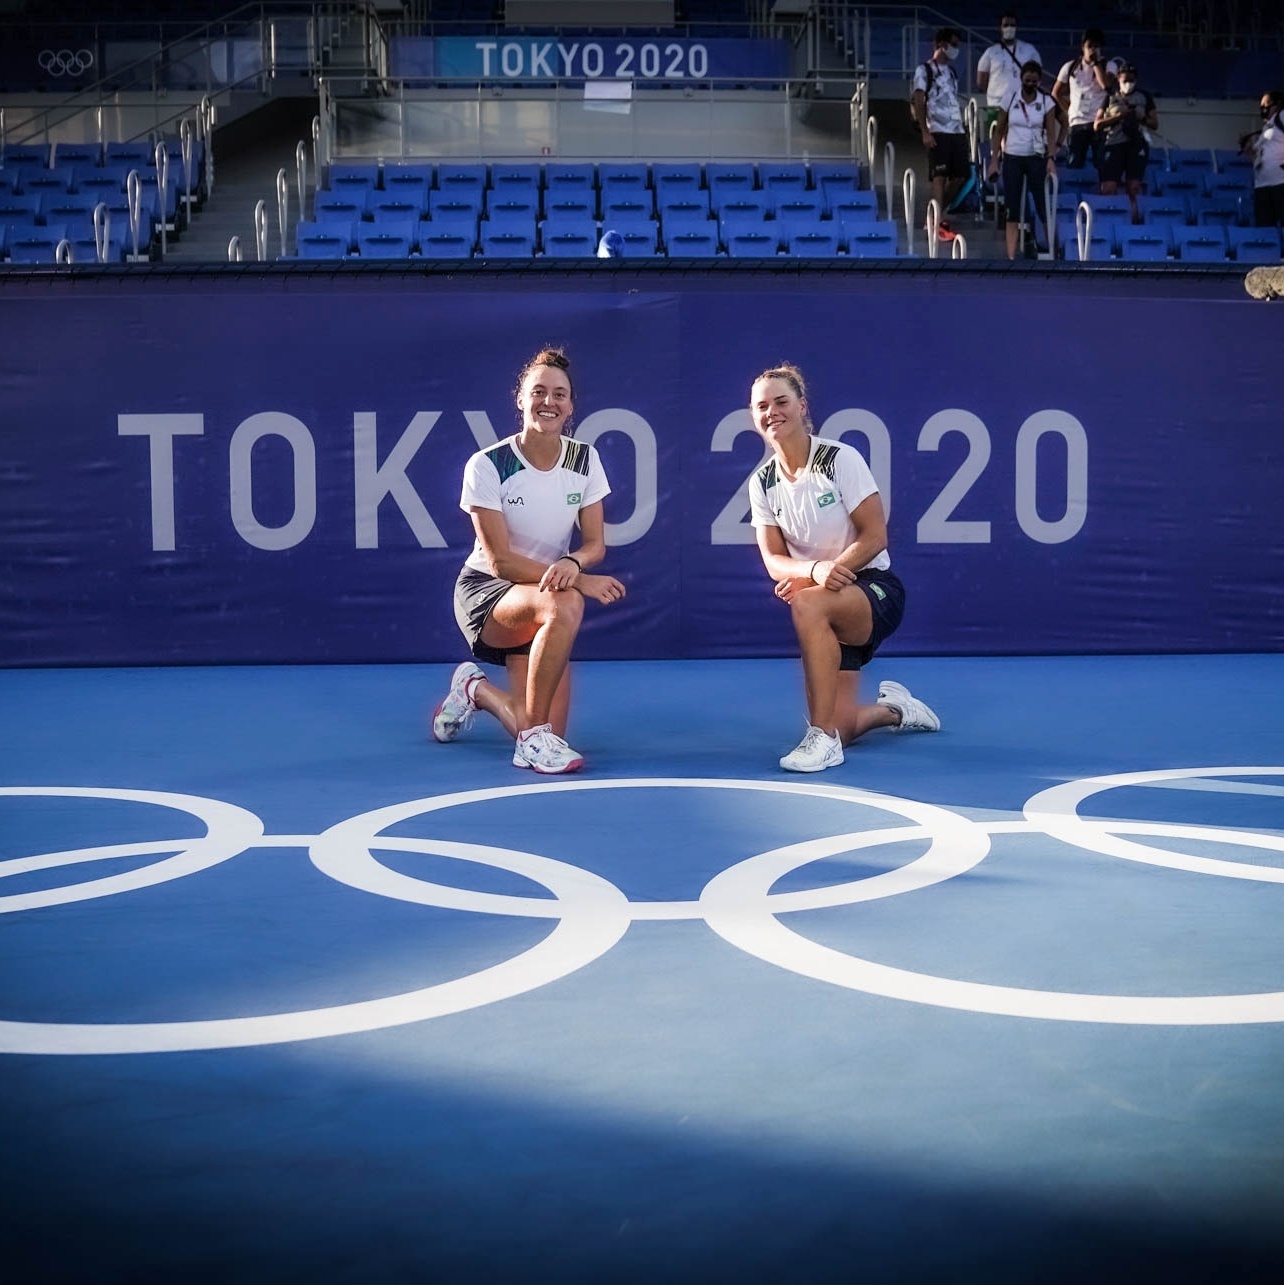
<point x="591" y="914"/>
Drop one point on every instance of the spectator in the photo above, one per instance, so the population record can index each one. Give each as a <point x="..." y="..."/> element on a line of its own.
<point x="1027" y="137"/>
<point x="1266" y="147"/>
<point x="1125" y="149"/>
<point x="998" y="73"/>
<point x="939" y="116"/>
<point x="1080" y="91"/>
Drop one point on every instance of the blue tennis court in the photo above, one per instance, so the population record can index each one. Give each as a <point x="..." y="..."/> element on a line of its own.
<point x="292" y="992"/>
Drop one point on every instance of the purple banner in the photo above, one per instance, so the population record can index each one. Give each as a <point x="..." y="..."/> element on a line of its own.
<point x="243" y="472"/>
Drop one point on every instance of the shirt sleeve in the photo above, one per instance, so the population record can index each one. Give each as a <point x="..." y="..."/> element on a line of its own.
<point x="597" y="487"/>
<point x="481" y="485"/>
<point x="760" y="513"/>
<point x="855" y="481"/>
<point x="920" y="79"/>
<point x="983" y="63"/>
<point x="1063" y="76"/>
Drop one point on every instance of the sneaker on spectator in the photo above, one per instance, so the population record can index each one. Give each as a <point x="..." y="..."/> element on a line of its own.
<point x="945" y="233"/>
<point x="816" y="751"/>
<point x="542" y="749"/>
<point x="457" y="707"/>
<point x="915" y="716"/>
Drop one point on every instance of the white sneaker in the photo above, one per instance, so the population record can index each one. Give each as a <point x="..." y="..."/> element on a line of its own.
<point x="457" y="707"/>
<point x="816" y="751"/>
<point x="542" y="749"/>
<point x="915" y="716"/>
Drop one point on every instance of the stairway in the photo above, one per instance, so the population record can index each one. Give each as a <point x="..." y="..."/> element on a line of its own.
<point x="248" y="155"/>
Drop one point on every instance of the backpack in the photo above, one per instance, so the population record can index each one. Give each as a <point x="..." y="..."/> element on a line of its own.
<point x="931" y="84"/>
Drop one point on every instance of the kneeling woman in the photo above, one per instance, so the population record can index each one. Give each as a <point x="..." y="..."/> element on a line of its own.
<point x="519" y="599"/>
<point x="823" y="538"/>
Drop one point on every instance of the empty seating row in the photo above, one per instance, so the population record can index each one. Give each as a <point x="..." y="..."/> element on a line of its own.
<point x="400" y="240"/>
<point x="1160" y="243"/>
<point x="19" y="157"/>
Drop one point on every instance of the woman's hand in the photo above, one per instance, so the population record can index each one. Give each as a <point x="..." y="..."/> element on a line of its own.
<point x="603" y="589"/>
<point x="561" y="574"/>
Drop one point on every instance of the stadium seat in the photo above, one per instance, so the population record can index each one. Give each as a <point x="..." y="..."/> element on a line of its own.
<point x="798" y="216"/>
<point x="682" y="216"/>
<point x="353" y="184"/>
<point x="685" y="173"/>
<point x="739" y="173"/>
<point x="1254" y="245"/>
<point x="853" y="206"/>
<point x="692" y="245"/>
<point x="515" y="180"/>
<point x="873" y="240"/>
<point x="614" y="193"/>
<point x="813" y="245"/>
<point x="398" y="186"/>
<point x="344" y="207"/>
<point x="26" y="155"/>
<point x="438" y="244"/>
<point x="1101" y="246"/>
<point x="1195" y="160"/>
<point x="576" y="225"/>
<point x="1229" y="187"/>
<point x="132" y="155"/>
<point x="569" y="244"/>
<point x="1218" y="212"/>
<point x="384" y="207"/>
<point x="751" y="245"/>
<point x="570" y="203"/>
<point x="1172" y="182"/>
<point x="564" y="177"/>
<point x="639" y="242"/>
<point x="507" y="245"/>
<point x="1200" y="244"/>
<point x="20" y="210"/>
<point x="1171" y="210"/>
<point x="624" y="214"/>
<point x="1138" y="244"/>
<point x="783" y="180"/>
<point x="631" y="174"/>
<point x="323" y="240"/>
<point x="380" y="243"/>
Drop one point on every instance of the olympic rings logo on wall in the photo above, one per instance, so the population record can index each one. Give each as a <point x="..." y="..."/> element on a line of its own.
<point x="65" y="62"/>
<point x="590" y="914"/>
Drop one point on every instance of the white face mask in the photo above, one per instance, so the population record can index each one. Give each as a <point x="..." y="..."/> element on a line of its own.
<point x="1008" y="33"/>
<point x="951" y="52"/>
<point x="1127" y="86"/>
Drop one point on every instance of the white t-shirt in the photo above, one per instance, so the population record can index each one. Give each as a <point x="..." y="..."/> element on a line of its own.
<point x="1026" y="134"/>
<point x="814" y="513"/>
<point x="1268" y="154"/>
<point x="1004" y="69"/>
<point x="1086" y="96"/>
<point x="944" y="116"/>
<point x="540" y="507"/>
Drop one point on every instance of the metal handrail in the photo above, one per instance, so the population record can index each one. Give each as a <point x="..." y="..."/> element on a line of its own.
<point x="909" y="186"/>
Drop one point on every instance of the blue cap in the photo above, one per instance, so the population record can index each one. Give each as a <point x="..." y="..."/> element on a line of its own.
<point x="611" y="246"/>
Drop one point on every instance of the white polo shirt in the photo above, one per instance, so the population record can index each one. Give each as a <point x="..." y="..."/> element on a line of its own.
<point x="541" y="507"/>
<point x="1086" y="96"/>
<point x="1004" y="68"/>
<point x="1268" y="154"/>
<point x="1026" y="134"/>
<point x="814" y="512"/>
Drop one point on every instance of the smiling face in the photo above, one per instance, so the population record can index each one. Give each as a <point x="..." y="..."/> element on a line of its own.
<point x="779" y="413"/>
<point x="545" y="401"/>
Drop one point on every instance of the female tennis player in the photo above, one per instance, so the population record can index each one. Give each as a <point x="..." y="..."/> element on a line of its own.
<point x="823" y="538"/>
<point x="519" y="598"/>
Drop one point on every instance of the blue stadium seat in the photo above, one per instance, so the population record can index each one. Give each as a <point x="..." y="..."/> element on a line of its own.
<point x="400" y="225"/>
<point x="1230" y="186"/>
<point x="1101" y="245"/>
<point x="783" y="179"/>
<point x="559" y="225"/>
<point x="514" y="205"/>
<point x="47" y="182"/>
<point x="570" y="203"/>
<point x="103" y="182"/>
<point x="678" y="188"/>
<point x="848" y="207"/>
<point x="132" y="155"/>
<point x="566" y="176"/>
<point x="379" y="243"/>
<point x="692" y="245"/>
<point x="516" y="179"/>
<point x="457" y="204"/>
<point x="67" y="155"/>
<point x="1219" y="212"/>
<point x="20" y="210"/>
<point x="813" y="245"/>
<point x="1200" y="245"/>
<point x="67" y="206"/>
<point x="346" y="207"/>
<point x="1232" y="162"/>
<point x="331" y="239"/>
<point x="438" y="244"/>
<point x="1194" y="160"/>
<point x="383" y="207"/>
<point x="569" y="244"/>
<point x="751" y="245"/>
<point x="679" y="217"/>
<point x="460" y="182"/>
<point x="1254" y="245"/>
<point x="685" y="173"/>
<point x="746" y="213"/>
<point x="740" y="173"/>
<point x="1171" y="182"/>
<point x="35" y="244"/>
<point x="877" y="239"/>
<point x="397" y="171"/>
<point x="1172" y="210"/>
<point x="84" y="249"/>
<point x="631" y="174"/>
<point x="622" y="214"/>
<point x="639" y="242"/>
<point x="798" y="216"/>
<point x="834" y="179"/>
<point x="26" y="155"/>
<point x="614" y="192"/>
<point x="507" y="245"/>
<point x="410" y="188"/>
<point x="1143" y="244"/>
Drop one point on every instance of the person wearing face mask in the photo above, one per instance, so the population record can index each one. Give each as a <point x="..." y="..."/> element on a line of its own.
<point x="934" y="102"/>
<point x="1266" y="147"/>
<point x="998" y="73"/>
<point x="1026" y="138"/>
<point x="1125" y="148"/>
<point x="1080" y="91"/>
<point x="519" y="599"/>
